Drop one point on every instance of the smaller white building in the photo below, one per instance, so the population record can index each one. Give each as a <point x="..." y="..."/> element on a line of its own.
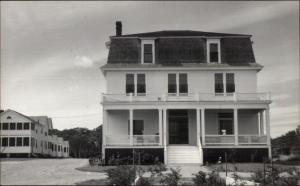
<point x="22" y="135"/>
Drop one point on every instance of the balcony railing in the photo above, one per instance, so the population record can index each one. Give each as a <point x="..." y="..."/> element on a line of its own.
<point x="213" y="140"/>
<point x="111" y="98"/>
<point x="146" y="140"/>
<point x="219" y="140"/>
<point x="124" y="140"/>
<point x="252" y="140"/>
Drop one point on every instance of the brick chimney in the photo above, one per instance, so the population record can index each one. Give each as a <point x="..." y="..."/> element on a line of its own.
<point x="118" y="28"/>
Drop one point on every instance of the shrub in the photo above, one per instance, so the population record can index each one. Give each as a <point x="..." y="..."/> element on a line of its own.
<point x="144" y="181"/>
<point x="211" y="179"/>
<point x="275" y="178"/>
<point x="215" y="179"/>
<point x="122" y="175"/>
<point x="171" y="178"/>
<point x="200" y="179"/>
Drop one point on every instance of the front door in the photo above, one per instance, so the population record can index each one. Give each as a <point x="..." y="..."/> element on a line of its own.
<point x="178" y="127"/>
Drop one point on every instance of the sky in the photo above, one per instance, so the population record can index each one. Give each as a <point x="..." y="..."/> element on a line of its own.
<point x="51" y="51"/>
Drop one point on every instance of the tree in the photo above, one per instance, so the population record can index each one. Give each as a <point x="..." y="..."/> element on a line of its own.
<point x="83" y="142"/>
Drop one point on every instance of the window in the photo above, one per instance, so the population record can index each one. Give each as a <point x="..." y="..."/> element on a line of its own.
<point x="12" y="126"/>
<point x="65" y="149"/>
<point x="230" y="86"/>
<point x="141" y="84"/>
<point x="19" y="126"/>
<point x="32" y="126"/>
<point x="138" y="86"/>
<point x="45" y="133"/>
<point x="5" y="126"/>
<point x="12" y="142"/>
<point x="26" y="141"/>
<point x="219" y="83"/>
<point x="183" y="84"/>
<point x="148" y="53"/>
<point x="129" y="83"/>
<point x="0" y="126"/>
<point x="4" y="142"/>
<point x="225" y="123"/>
<point x="26" y="126"/>
<point x="213" y="52"/>
<point x="138" y="127"/>
<point x="19" y="141"/>
<point x="172" y="86"/>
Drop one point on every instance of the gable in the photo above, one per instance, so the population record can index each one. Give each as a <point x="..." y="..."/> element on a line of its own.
<point x="15" y="117"/>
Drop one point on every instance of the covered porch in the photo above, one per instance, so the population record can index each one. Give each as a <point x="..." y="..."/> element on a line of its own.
<point x="235" y="127"/>
<point x="128" y="128"/>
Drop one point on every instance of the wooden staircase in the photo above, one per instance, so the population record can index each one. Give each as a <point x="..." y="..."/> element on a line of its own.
<point x="184" y="155"/>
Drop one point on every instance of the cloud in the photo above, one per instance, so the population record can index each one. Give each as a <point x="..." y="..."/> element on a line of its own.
<point x="83" y="61"/>
<point x="252" y="14"/>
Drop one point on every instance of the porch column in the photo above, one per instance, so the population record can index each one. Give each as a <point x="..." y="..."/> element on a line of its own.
<point x="198" y="125"/>
<point x="203" y="125"/>
<point x="160" y="126"/>
<point x="165" y="135"/>
<point x="104" y="117"/>
<point x="131" y="126"/>
<point x="236" y="129"/>
<point x="267" y="115"/>
<point x="261" y="123"/>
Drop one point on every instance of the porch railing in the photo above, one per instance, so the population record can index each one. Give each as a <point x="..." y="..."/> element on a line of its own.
<point x="138" y="140"/>
<point x="116" y="140"/>
<point x="252" y="140"/>
<point x="213" y="140"/>
<point x="110" y="98"/>
<point x="219" y="140"/>
<point x="145" y="139"/>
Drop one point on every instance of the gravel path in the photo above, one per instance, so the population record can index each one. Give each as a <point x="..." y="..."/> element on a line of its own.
<point x="45" y="172"/>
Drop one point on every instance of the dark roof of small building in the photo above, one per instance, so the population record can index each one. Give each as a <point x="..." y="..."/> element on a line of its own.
<point x="181" y="33"/>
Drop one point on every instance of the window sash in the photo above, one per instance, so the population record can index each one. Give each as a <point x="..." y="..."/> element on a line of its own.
<point x="219" y="87"/>
<point x="141" y="83"/>
<point x="172" y="85"/>
<point x="183" y="83"/>
<point x="129" y="83"/>
<point x="26" y="141"/>
<point x="230" y="84"/>
<point x="5" y="126"/>
<point x="26" y="126"/>
<point x="12" y="142"/>
<point x="19" y="141"/>
<point x="213" y="52"/>
<point x="19" y="126"/>
<point x="148" y="53"/>
<point x="4" y="142"/>
<point x="12" y="126"/>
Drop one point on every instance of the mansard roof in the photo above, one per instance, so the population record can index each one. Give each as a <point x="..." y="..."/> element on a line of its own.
<point x="173" y="47"/>
<point x="181" y="33"/>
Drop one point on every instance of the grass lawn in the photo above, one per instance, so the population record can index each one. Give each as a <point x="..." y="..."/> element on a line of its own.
<point x="250" y="167"/>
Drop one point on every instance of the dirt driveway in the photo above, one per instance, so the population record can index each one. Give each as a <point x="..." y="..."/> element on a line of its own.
<point x="44" y="172"/>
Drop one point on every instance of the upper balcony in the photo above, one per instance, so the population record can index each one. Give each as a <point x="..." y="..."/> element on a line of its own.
<point x="188" y="97"/>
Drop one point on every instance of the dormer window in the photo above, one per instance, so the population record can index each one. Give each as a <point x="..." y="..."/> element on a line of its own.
<point x="148" y="54"/>
<point x="213" y="51"/>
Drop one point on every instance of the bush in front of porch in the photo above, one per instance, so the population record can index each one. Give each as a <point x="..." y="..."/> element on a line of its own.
<point x="134" y="156"/>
